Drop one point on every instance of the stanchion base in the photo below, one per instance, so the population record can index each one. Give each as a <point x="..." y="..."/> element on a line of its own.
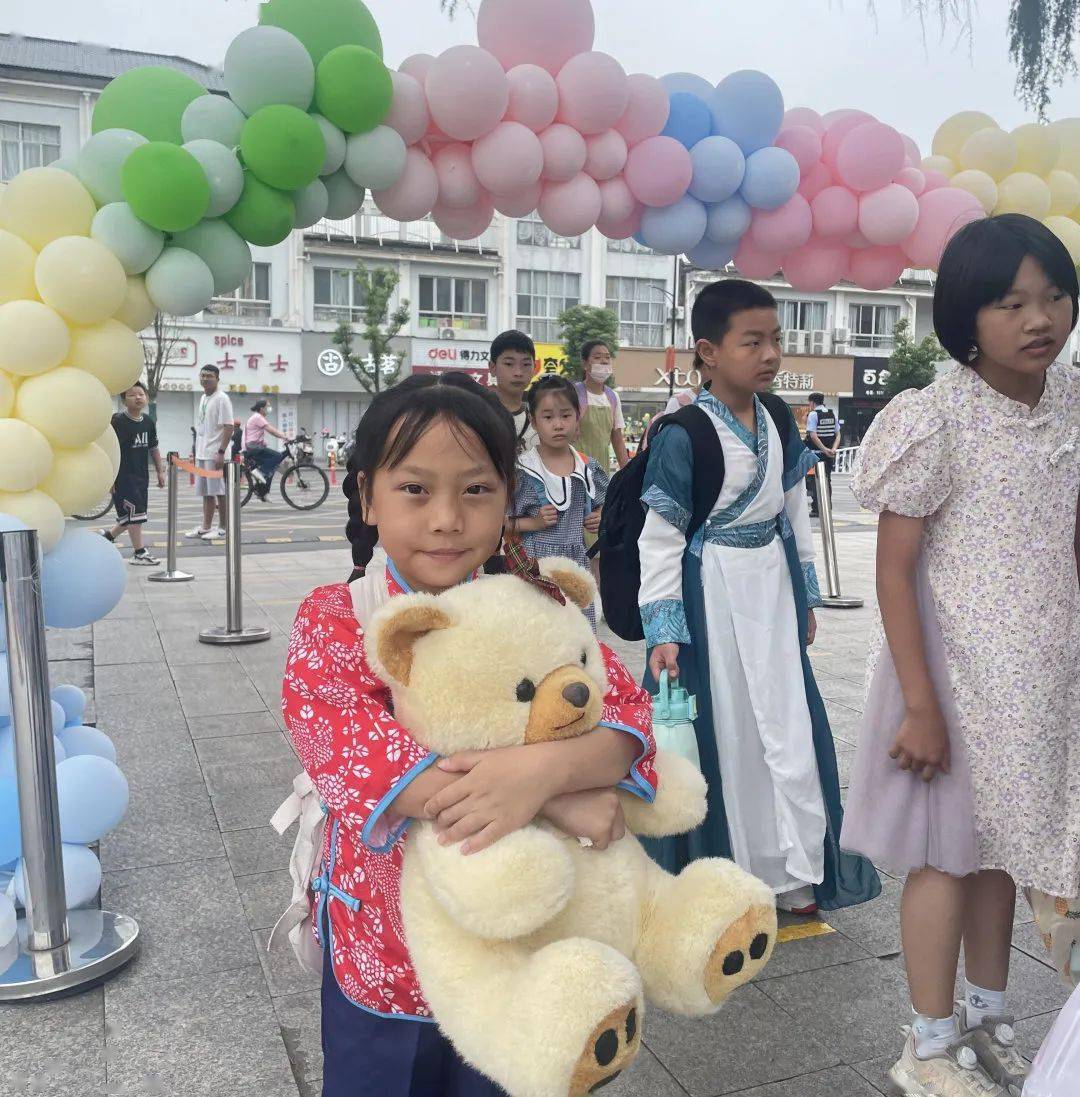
<point x="842" y="603"/>
<point x="253" y="634"/>
<point x="170" y="577"/>
<point x="100" y="943"/>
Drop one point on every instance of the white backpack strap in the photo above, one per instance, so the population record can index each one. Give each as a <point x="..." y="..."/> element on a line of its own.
<point x="293" y="807"/>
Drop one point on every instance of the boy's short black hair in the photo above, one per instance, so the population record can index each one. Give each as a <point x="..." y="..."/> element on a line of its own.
<point x="135" y="385"/>
<point x="210" y="369"/>
<point x="979" y="267"/>
<point x="512" y="340"/>
<point x="717" y="303"/>
<point x="817" y="398"/>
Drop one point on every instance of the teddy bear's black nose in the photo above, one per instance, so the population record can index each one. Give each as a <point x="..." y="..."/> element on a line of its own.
<point x="577" y="693"/>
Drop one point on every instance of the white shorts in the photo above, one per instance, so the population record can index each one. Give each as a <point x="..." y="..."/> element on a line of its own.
<point x="213" y="486"/>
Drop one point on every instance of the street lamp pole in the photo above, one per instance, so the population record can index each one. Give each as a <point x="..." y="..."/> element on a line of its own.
<point x="674" y="322"/>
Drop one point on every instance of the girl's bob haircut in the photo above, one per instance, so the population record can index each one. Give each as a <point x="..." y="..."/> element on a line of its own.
<point x="979" y="267"/>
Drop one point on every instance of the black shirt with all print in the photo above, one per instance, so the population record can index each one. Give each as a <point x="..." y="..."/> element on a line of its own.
<point x="137" y="438"/>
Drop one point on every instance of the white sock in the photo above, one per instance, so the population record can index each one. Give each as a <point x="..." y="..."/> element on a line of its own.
<point x="933" y="1035"/>
<point x="982" y="1003"/>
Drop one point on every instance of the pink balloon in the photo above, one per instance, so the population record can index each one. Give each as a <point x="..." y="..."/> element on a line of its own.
<point x="459" y="188"/>
<point x="888" y="216"/>
<point x="465" y="224"/>
<point x="836" y="213"/>
<point x="621" y="230"/>
<point x="942" y="213"/>
<point x="803" y="116"/>
<point x="647" y="112"/>
<point x="521" y="32"/>
<point x="617" y="203"/>
<point x="594" y="92"/>
<point x="816" y="266"/>
<point x="856" y="241"/>
<point x="784" y="229"/>
<point x="870" y="156"/>
<point x="912" y="178"/>
<point x="752" y="262"/>
<point x="417" y="66"/>
<point x="803" y="143"/>
<point x="571" y="208"/>
<point x="408" y="110"/>
<point x="877" y="267"/>
<point x="467" y="92"/>
<point x="565" y="153"/>
<point x="815" y="181"/>
<point x="911" y="149"/>
<point x="840" y="126"/>
<point x="534" y="97"/>
<point x="935" y="180"/>
<point x="414" y="195"/>
<point x="659" y="171"/>
<point x="509" y="159"/>
<point x="606" y="155"/>
<point x="845" y="113"/>
<point x="520" y="204"/>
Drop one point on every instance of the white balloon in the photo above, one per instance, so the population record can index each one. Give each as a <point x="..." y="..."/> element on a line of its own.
<point x="223" y="173"/>
<point x="375" y="159"/>
<point x="132" y="241"/>
<point x="311" y="204"/>
<point x="335" y="145"/>
<point x="213" y="118"/>
<point x="180" y="283"/>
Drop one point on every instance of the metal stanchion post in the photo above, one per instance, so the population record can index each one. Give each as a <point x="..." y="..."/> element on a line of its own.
<point x="833" y="599"/>
<point x="234" y="631"/>
<point x="57" y="951"/>
<point x="171" y="574"/>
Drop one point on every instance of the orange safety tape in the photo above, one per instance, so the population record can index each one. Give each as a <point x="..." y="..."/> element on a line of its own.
<point x="187" y="466"/>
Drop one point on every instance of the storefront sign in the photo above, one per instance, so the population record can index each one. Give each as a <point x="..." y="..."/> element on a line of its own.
<point x="794" y="382"/>
<point x="250" y="361"/>
<point x="438" y="356"/>
<point x="870" y="378"/>
<point x="684" y="378"/>
<point x="551" y="358"/>
<point x="330" y="362"/>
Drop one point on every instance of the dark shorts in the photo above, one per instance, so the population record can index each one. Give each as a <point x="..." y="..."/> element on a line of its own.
<point x="130" y="499"/>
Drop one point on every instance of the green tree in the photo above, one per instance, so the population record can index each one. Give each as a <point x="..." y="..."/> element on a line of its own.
<point x="380" y="367"/>
<point x="580" y="324"/>
<point x="912" y="365"/>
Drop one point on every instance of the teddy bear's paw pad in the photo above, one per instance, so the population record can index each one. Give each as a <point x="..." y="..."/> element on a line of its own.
<point x="612" y="1047"/>
<point x="741" y="952"/>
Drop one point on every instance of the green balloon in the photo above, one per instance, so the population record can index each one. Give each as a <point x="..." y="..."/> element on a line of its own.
<point x="353" y="89"/>
<point x="150" y="101"/>
<point x="222" y="249"/>
<point x="322" y="25"/>
<point x="263" y="216"/>
<point x="166" y="187"/>
<point x="283" y="146"/>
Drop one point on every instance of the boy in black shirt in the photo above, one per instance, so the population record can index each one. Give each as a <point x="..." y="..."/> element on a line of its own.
<point x="137" y="435"/>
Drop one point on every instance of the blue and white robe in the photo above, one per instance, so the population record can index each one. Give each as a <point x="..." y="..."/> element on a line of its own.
<point x="736" y="599"/>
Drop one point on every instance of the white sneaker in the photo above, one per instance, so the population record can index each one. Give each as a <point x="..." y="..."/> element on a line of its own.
<point x="198" y="531"/>
<point x="144" y="560"/>
<point x="213" y="535"/>
<point x="952" y="1073"/>
<point x="799" y="901"/>
<point x="994" y="1042"/>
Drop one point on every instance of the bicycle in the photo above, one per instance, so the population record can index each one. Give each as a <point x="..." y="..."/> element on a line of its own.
<point x="304" y="486"/>
<point x="99" y="511"/>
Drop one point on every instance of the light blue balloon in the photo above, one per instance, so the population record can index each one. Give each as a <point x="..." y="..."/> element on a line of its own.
<point x="719" y="166"/>
<point x="711" y="256"/>
<point x="70" y="164"/>
<point x="93" y="796"/>
<point x="689" y="119"/>
<point x="58" y="717"/>
<point x="748" y="107"/>
<point x="5" y="688"/>
<point x="687" y="82"/>
<point x="772" y="177"/>
<point x="213" y="118"/>
<point x="132" y="241"/>
<point x="82" y="580"/>
<point x="82" y="876"/>
<point x="101" y="161"/>
<point x="729" y="221"/>
<point x="180" y="283"/>
<point x="59" y="750"/>
<point x="675" y="229"/>
<point x="10" y="829"/>
<point x="80" y="741"/>
<point x="7" y="754"/>
<point x="73" y="701"/>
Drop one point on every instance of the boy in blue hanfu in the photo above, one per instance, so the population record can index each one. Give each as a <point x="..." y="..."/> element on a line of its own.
<point x="729" y="606"/>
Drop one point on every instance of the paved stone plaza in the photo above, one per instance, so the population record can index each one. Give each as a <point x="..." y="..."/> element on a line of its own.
<point x="206" y="1012"/>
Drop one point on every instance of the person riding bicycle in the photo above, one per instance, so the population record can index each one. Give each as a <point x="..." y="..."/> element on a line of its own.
<point x="264" y="459"/>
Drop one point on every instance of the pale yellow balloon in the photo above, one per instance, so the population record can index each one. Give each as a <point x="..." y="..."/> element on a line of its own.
<point x="138" y="311"/>
<point x="1068" y="232"/>
<point x="1037" y="148"/>
<point x="954" y="131"/>
<point x="989" y="150"/>
<point x="1023" y="192"/>
<point x="38" y="511"/>
<point x="81" y="279"/>
<point x="17" y="259"/>
<point x="33" y="338"/>
<point x="111" y="351"/>
<point x="25" y="456"/>
<point x="1064" y="193"/>
<point x="942" y="164"/>
<point x="79" y="478"/>
<point x="980" y="184"/>
<point x="42" y="204"/>
<point x="69" y="406"/>
<point x="1068" y="133"/>
<point x="109" y="444"/>
<point x="7" y="394"/>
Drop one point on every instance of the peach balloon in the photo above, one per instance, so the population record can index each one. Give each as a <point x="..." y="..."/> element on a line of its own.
<point x="836" y="213"/>
<point x="942" y="213"/>
<point x="813" y="183"/>
<point x="784" y="229"/>
<point x="888" y="216"/>
<point x="659" y="171"/>
<point x="606" y="155"/>
<point x="617" y="202"/>
<point x="414" y="195"/>
<point x="817" y="265"/>
<point x="752" y="262"/>
<point x="534" y="97"/>
<point x="467" y="92"/>
<point x="565" y="153"/>
<point x="647" y="112"/>
<point x="408" y="109"/>
<point x="571" y="208"/>
<point x="464" y="224"/>
<point x="520" y="204"/>
<point x="877" y="268"/>
<point x="804" y="116"/>
<point x="459" y="187"/>
<point x="803" y="143"/>
<point x="509" y="159"/>
<point x="522" y="32"/>
<point x="594" y="92"/>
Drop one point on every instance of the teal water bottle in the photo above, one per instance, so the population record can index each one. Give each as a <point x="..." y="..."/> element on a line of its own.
<point x="674" y="712"/>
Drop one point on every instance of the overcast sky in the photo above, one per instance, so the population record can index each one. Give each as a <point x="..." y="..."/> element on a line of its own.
<point x="824" y="53"/>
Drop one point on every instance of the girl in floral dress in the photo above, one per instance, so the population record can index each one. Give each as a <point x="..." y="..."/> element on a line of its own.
<point x="968" y="771"/>
<point x="435" y="467"/>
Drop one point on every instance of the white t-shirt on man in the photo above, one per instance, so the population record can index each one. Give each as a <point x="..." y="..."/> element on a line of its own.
<point x="215" y="412"/>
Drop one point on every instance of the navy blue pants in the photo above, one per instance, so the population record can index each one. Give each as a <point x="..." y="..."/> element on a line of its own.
<point x="369" y="1056"/>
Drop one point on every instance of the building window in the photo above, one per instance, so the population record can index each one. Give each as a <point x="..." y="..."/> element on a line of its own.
<point x="339" y="295"/>
<point x="25" y="146"/>
<point x="541" y="296"/>
<point x="531" y="230"/>
<point x="251" y="302"/>
<point x="458" y="303"/>
<point x="630" y="245"/>
<point x="803" y="315"/>
<point x="641" y="306"/>
<point x="873" y="325"/>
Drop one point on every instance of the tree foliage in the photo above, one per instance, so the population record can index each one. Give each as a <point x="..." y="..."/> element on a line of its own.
<point x="580" y="324"/>
<point x="381" y="366"/>
<point x="912" y="365"/>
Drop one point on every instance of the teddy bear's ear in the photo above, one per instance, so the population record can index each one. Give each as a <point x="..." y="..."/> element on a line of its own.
<point x="395" y="629"/>
<point x="574" y="581"/>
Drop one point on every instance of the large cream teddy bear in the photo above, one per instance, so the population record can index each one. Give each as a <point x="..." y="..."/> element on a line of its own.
<point x="536" y="954"/>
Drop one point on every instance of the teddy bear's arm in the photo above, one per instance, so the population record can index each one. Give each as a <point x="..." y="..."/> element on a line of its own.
<point x="679" y="804"/>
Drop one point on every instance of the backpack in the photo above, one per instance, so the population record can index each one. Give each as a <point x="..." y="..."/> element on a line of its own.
<point x="623" y="517"/>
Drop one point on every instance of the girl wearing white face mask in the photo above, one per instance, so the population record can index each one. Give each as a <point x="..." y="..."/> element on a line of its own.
<point x="602" y="422"/>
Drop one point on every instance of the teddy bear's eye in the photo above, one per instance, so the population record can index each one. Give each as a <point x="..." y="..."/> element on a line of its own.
<point x="526" y="690"/>
<point x="584" y="658"/>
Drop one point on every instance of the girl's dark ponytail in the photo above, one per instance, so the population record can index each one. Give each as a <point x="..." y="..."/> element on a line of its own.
<point x="362" y="537"/>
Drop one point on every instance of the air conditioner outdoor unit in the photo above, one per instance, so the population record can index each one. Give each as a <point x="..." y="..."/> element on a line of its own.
<point x="447" y="333"/>
<point x="840" y="337"/>
<point x="819" y="342"/>
<point x="793" y="342"/>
